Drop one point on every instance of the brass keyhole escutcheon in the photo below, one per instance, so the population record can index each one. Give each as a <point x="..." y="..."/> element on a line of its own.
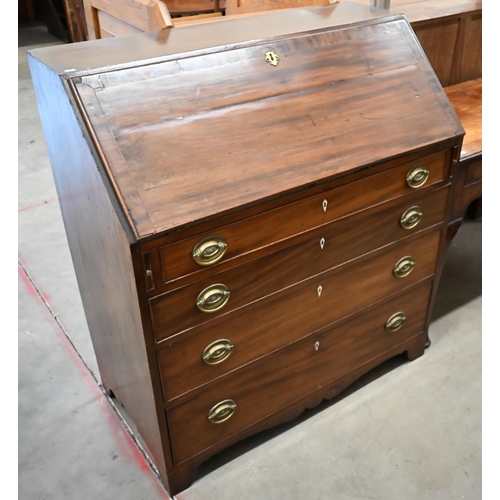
<point x="222" y="411"/>
<point x="272" y="58"/>
<point x="316" y="346"/>
<point x="213" y="298"/>
<point x="324" y="205"/>
<point x="217" y="351"/>
<point x="395" y="322"/>
<point x="411" y="217"/>
<point x="320" y="290"/>
<point x="404" y="266"/>
<point x="417" y="176"/>
<point x="322" y="243"/>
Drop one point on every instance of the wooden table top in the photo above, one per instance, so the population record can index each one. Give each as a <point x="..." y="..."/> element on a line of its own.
<point x="424" y="10"/>
<point x="466" y="99"/>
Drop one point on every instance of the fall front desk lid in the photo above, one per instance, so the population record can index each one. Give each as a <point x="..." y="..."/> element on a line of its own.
<point x="193" y="134"/>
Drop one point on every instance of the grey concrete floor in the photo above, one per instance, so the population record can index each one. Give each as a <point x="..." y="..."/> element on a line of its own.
<point x="404" y="431"/>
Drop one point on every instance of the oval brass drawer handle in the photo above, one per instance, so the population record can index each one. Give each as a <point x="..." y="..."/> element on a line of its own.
<point x="217" y="351"/>
<point x="411" y="217"/>
<point x="417" y="176"/>
<point x="222" y="411"/>
<point x="395" y="322"/>
<point x="404" y="266"/>
<point x="210" y="250"/>
<point x="213" y="298"/>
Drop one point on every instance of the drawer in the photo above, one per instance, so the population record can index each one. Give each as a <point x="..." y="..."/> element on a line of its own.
<point x="266" y="387"/>
<point x="474" y="172"/>
<point x="309" y="254"/>
<point x="278" y="320"/>
<point x="235" y="240"/>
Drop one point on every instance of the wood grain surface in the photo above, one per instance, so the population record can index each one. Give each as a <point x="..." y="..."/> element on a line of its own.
<point x="250" y="234"/>
<point x="453" y="45"/>
<point x="101" y="257"/>
<point x="160" y="139"/>
<point x="344" y="240"/>
<point x="259" y="389"/>
<point x="94" y="55"/>
<point x="168" y="162"/>
<point x="251" y="6"/>
<point x="294" y="313"/>
<point x="429" y="10"/>
<point x="108" y="18"/>
<point x="467" y="100"/>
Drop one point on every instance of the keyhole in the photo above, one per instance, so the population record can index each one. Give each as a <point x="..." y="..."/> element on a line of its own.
<point x="322" y="243"/>
<point x="325" y="205"/>
<point x="320" y="289"/>
<point x="316" y="346"/>
<point x="272" y="58"/>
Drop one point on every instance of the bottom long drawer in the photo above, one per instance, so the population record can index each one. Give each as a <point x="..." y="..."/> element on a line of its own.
<point x="262" y="388"/>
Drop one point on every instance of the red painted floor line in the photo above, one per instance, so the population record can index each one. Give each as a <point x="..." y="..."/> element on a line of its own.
<point x="29" y="285"/>
<point x="124" y="442"/>
<point x="36" y="205"/>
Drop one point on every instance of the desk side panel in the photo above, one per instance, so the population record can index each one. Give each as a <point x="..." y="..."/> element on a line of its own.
<point x="101" y="257"/>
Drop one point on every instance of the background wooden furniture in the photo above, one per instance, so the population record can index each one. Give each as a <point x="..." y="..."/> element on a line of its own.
<point x="253" y="227"/>
<point x="194" y="7"/>
<point x="64" y="19"/>
<point x="453" y="45"/>
<point x="26" y="11"/>
<point x="75" y="20"/>
<point x="107" y="18"/>
<point x="450" y="32"/>
<point x="451" y="36"/>
<point x="235" y="7"/>
<point x="455" y="24"/>
<point x="466" y="98"/>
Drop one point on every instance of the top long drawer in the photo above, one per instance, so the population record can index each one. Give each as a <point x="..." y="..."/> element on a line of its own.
<point x="245" y="236"/>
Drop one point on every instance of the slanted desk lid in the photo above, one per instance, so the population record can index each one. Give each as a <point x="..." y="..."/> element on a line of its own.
<point x="203" y="133"/>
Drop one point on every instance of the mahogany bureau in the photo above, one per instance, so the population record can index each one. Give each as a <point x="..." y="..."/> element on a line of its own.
<point x="256" y="216"/>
